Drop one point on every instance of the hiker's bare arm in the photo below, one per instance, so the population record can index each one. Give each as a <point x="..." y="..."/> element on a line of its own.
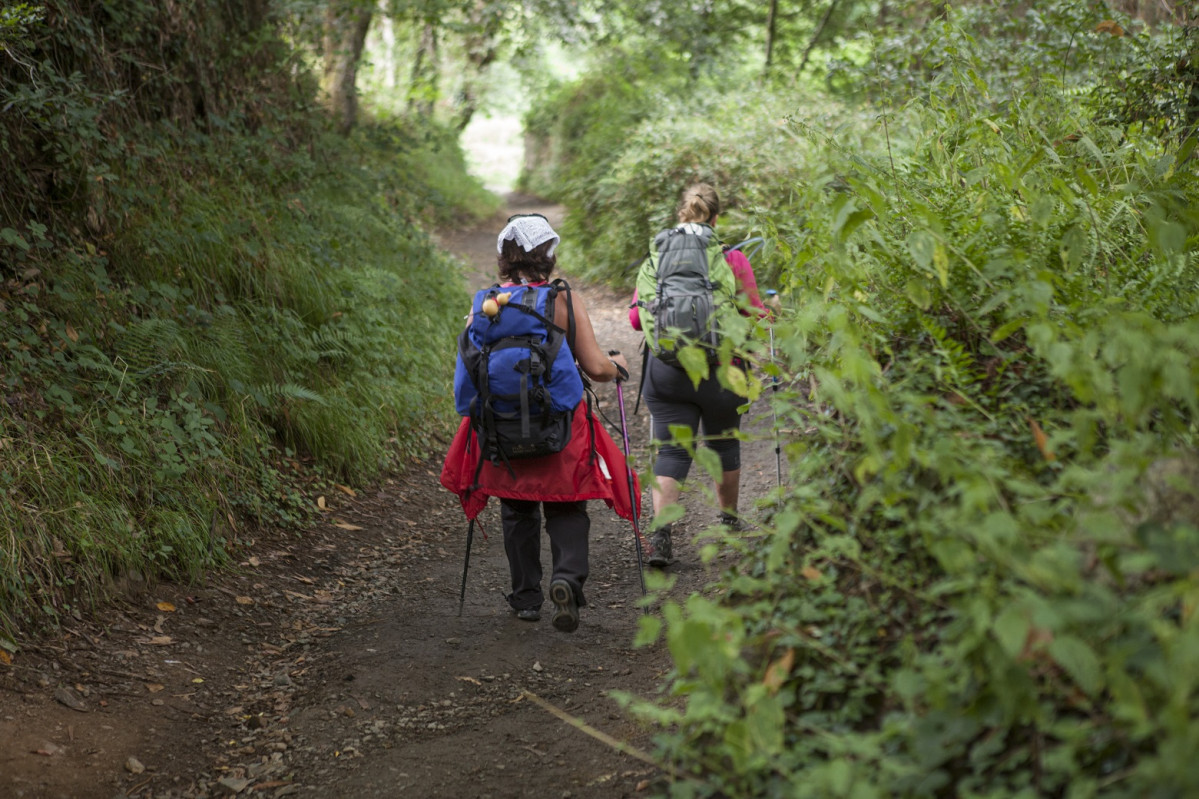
<point x="596" y="363"/>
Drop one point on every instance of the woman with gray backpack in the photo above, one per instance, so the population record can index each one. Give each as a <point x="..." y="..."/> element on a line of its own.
<point x="685" y="286"/>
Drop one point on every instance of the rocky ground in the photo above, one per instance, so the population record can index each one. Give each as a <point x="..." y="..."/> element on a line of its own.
<point x="335" y="663"/>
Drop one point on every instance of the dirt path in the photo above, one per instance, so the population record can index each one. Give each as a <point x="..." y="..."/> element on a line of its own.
<point x="334" y="664"/>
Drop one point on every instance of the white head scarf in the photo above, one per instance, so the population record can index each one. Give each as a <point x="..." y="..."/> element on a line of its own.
<point x="528" y="231"/>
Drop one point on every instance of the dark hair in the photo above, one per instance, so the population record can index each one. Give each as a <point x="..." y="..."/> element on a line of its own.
<point x="699" y="203"/>
<point x="536" y="264"/>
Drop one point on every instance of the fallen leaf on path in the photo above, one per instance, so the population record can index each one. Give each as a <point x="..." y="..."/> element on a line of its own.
<point x="244" y="600"/>
<point x="5" y="658"/>
<point x="346" y="526"/>
<point x="811" y="573"/>
<point x="346" y="489"/>
<point x="154" y="687"/>
<point x="161" y="640"/>
<point x="320" y="502"/>
<point x="254" y="561"/>
<point x="471" y="680"/>
<point x="166" y="607"/>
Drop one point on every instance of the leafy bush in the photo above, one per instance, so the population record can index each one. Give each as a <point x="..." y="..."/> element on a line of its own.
<point x="576" y="130"/>
<point x="625" y="179"/>
<point x="982" y="581"/>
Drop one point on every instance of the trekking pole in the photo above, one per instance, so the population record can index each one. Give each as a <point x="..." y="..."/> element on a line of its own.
<point x="470" y="536"/>
<point x="634" y="502"/>
<point x="774" y="387"/>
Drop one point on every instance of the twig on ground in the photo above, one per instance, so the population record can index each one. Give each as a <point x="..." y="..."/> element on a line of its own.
<point x="602" y="737"/>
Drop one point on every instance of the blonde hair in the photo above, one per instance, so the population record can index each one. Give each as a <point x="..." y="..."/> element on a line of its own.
<point x="699" y="204"/>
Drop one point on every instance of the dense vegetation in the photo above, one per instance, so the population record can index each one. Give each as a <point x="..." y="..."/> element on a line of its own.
<point x="981" y="577"/>
<point x="212" y="309"/>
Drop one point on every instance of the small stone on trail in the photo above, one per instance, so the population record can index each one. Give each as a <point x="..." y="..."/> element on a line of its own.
<point x="537" y="666"/>
<point x="66" y="696"/>
<point x="233" y="785"/>
<point x="134" y="766"/>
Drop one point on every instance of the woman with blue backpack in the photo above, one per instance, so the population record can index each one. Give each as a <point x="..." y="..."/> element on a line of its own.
<point x="529" y="436"/>
<point x="684" y="287"/>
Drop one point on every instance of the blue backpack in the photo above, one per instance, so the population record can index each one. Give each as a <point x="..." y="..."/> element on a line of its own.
<point x="516" y="377"/>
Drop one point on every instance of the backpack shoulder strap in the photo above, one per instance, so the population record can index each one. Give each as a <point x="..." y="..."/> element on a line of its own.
<point x="562" y="287"/>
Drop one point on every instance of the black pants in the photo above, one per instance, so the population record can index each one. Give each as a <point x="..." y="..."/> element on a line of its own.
<point x="673" y="399"/>
<point x="567" y="525"/>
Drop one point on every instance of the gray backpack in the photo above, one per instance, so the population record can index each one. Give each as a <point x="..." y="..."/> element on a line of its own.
<point x="683" y="288"/>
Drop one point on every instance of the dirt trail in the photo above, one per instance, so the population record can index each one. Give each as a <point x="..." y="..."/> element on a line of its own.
<point x="334" y="664"/>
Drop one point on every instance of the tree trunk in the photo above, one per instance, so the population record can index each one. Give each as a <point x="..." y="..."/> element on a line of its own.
<point x="771" y="16"/>
<point x="346" y="24"/>
<point x="482" y="45"/>
<point x="807" y="53"/>
<point x="423" y="86"/>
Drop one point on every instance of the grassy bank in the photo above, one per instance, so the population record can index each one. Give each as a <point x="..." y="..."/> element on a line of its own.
<point x="260" y="322"/>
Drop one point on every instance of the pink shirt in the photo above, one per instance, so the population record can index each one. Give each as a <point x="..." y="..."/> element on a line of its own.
<point x="747" y="284"/>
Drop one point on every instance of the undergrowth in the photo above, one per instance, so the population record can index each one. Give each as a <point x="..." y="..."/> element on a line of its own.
<point x="981" y="575"/>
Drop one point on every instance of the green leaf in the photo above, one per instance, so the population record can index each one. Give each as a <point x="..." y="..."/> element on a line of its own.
<point x="695" y="361"/>
<point x="690" y="642"/>
<point x="1171" y="238"/>
<point x="764" y="723"/>
<point x="10" y="236"/>
<point x="667" y="515"/>
<point x="918" y="293"/>
<point x="1080" y="662"/>
<point x="649" y="627"/>
<point x="1011" y="629"/>
<point x="922" y="244"/>
<point x="1007" y="329"/>
<point x="709" y="461"/>
<point x="941" y="262"/>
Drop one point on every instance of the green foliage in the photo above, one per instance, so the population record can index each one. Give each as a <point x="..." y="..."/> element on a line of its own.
<point x="621" y="180"/>
<point x="576" y="129"/>
<point x="201" y="359"/>
<point x="983" y="578"/>
<point x="210" y="308"/>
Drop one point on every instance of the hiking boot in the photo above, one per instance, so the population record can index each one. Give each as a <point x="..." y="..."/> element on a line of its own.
<point x="660" y="549"/>
<point x="529" y="614"/>
<point x="566" y="609"/>
<point x="732" y="521"/>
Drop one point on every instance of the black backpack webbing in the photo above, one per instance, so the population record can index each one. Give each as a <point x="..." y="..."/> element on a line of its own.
<point x="486" y="414"/>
